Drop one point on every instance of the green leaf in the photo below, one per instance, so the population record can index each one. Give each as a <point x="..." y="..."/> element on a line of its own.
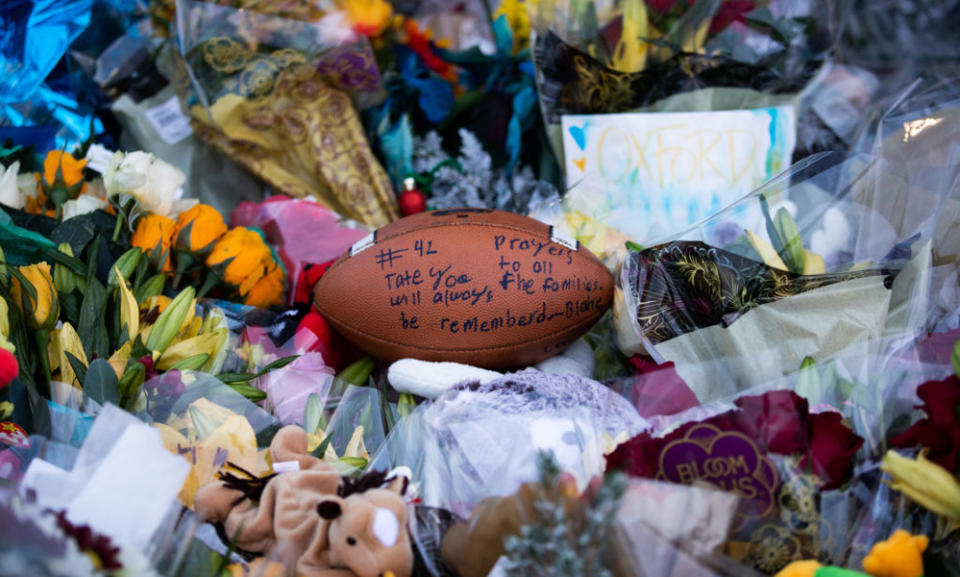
<point x="355" y="462"/>
<point x="249" y="392"/>
<point x="235" y="378"/>
<point x="100" y="382"/>
<point x="78" y="367"/>
<point x="406" y="405"/>
<point x="152" y="287"/>
<point x="312" y="413"/>
<point x="792" y="252"/>
<point x="202" y="423"/>
<point x="80" y="231"/>
<point x="358" y="372"/>
<point x="192" y="363"/>
<point x="75" y="265"/>
<point x="92" y="327"/>
<point x="955" y="358"/>
<point x="321" y="449"/>
<point x="130" y="384"/>
<point x="632" y="246"/>
<point x="277" y="364"/>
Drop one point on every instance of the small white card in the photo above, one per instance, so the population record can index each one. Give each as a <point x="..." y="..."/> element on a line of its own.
<point x="169" y="121"/>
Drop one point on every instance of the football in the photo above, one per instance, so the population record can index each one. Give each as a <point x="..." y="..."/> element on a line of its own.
<point x="478" y="286"/>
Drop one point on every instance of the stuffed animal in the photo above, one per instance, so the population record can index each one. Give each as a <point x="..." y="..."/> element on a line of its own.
<point x="899" y="556"/>
<point x="325" y="525"/>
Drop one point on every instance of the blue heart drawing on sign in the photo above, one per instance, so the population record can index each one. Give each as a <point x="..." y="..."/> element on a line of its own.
<point x="579" y="137"/>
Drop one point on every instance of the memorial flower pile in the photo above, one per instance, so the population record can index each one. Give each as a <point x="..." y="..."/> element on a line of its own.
<point x="377" y="288"/>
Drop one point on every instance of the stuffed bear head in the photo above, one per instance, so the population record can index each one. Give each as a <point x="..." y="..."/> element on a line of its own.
<point x="319" y="523"/>
<point x="368" y="531"/>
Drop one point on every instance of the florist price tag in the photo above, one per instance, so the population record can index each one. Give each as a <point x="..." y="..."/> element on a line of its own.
<point x="169" y="121"/>
<point x="651" y="174"/>
<point x="730" y="461"/>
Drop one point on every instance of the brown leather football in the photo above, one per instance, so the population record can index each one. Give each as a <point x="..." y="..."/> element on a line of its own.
<point x="478" y="286"/>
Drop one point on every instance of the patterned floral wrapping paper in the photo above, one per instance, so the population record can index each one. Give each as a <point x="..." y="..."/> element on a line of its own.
<point x="275" y="95"/>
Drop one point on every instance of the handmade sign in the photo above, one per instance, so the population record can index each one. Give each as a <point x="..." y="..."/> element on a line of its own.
<point x="651" y="174"/>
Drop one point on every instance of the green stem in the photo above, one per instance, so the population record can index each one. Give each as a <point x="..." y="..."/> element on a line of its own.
<point x="42" y="336"/>
<point x="209" y="282"/>
<point x="121" y="216"/>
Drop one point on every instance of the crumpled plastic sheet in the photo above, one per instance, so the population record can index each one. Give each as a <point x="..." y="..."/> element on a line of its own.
<point x="477" y="441"/>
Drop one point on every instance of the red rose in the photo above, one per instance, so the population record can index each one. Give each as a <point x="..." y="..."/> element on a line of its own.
<point x="659" y="390"/>
<point x="661" y="6"/>
<point x="730" y="11"/>
<point x="639" y="457"/>
<point x="777" y="419"/>
<point x="831" y="449"/>
<point x="940" y="431"/>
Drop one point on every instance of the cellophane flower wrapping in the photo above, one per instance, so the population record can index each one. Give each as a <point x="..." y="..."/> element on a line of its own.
<point x="120" y="455"/>
<point x="807" y="447"/>
<point x="273" y="94"/>
<point x="476" y="441"/>
<point x="837" y="254"/>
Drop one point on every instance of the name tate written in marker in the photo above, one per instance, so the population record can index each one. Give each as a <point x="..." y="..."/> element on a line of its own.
<point x="425" y="290"/>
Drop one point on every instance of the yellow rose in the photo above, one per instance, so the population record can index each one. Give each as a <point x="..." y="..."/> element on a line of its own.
<point x="70" y="168"/>
<point x="155" y="233"/>
<point x="240" y="255"/>
<point x="198" y="229"/>
<point x="268" y="291"/>
<point x="42" y="311"/>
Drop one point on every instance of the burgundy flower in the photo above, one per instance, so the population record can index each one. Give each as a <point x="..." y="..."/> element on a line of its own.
<point x="940" y="431"/>
<point x="639" y="457"/>
<point x="777" y="419"/>
<point x="831" y="449"/>
<point x="660" y="6"/>
<point x="91" y="542"/>
<point x="780" y="423"/>
<point x="730" y="11"/>
<point x="658" y="389"/>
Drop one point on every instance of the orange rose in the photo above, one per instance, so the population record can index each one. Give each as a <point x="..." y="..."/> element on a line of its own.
<point x="268" y="290"/>
<point x="71" y="169"/>
<point x="239" y="255"/>
<point x="153" y="236"/>
<point x="198" y="229"/>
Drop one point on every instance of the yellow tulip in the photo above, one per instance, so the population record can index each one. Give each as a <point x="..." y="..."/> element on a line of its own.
<point x="129" y="310"/>
<point x="178" y="315"/>
<point x="153" y="235"/>
<point x="182" y="350"/>
<point x="232" y="441"/>
<point x="239" y="255"/>
<point x="198" y="229"/>
<point x="766" y="251"/>
<point x="120" y="357"/>
<point x="925" y="482"/>
<point x="630" y="54"/>
<point x="813" y="263"/>
<point x="66" y="340"/>
<point x="41" y="312"/>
